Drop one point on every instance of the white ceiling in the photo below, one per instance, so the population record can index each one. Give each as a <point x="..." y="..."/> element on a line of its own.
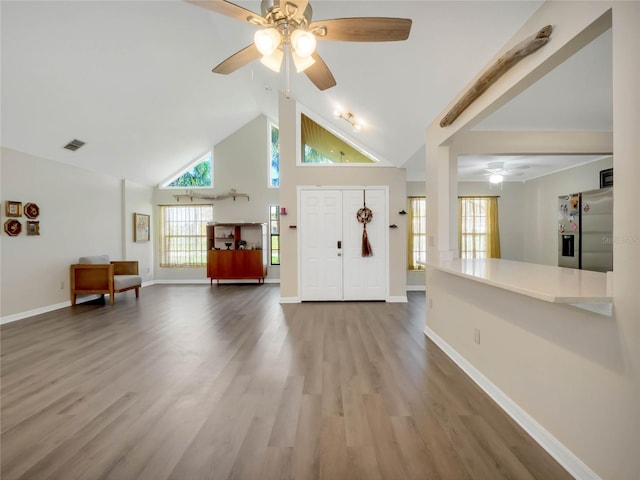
<point x="474" y="168"/>
<point x="133" y="79"/>
<point x="577" y="95"/>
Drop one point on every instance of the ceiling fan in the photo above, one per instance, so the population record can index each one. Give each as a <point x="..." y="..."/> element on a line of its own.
<point x="286" y="25"/>
<point x="496" y="171"/>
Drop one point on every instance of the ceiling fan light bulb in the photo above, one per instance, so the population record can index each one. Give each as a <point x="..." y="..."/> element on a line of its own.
<point x="303" y="42"/>
<point x="302" y="63"/>
<point x="267" y="40"/>
<point x="273" y="61"/>
<point x="496" y="178"/>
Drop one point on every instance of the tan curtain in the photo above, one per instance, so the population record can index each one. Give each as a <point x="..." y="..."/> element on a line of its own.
<point x="410" y="264"/>
<point x="493" y="229"/>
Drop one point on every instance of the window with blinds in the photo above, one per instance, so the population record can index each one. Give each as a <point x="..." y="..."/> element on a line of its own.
<point x="183" y="235"/>
<point x="479" y="234"/>
<point x="417" y="233"/>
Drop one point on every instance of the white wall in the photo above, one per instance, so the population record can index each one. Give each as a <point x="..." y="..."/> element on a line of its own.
<point x="574" y="374"/>
<point x="241" y="162"/>
<point x="80" y="214"/>
<point x="541" y="201"/>
<point x="138" y="199"/>
<point x="293" y="175"/>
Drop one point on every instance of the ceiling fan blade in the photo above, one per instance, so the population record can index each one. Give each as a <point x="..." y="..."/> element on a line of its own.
<point x="362" y="29"/>
<point x="238" y="60"/>
<point x="230" y="10"/>
<point x="320" y="74"/>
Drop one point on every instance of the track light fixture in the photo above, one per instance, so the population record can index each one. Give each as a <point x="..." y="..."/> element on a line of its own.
<point x="350" y="118"/>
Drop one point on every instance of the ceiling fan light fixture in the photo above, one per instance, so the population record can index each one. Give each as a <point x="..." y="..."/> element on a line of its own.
<point x="267" y="40"/>
<point x="496" y="178"/>
<point x="303" y="42"/>
<point x="274" y="60"/>
<point x="302" y="63"/>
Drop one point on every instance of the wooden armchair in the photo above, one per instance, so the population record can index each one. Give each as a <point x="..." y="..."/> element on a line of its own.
<point x="98" y="275"/>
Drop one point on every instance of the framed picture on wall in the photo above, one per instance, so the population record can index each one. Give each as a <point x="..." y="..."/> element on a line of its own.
<point x="141" y="227"/>
<point x="606" y="178"/>
<point x="33" y="227"/>
<point x="13" y="209"/>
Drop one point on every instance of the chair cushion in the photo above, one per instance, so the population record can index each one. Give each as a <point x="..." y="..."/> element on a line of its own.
<point x="121" y="282"/>
<point x="95" y="259"/>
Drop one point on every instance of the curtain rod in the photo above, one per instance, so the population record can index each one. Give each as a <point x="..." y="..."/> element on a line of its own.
<point x="478" y="196"/>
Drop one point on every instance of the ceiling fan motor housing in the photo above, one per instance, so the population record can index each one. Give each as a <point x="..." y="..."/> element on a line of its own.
<point x="276" y="11"/>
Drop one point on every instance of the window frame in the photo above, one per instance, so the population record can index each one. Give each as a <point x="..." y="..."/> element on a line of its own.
<point x="165" y="239"/>
<point x="379" y="161"/>
<point x="412" y="263"/>
<point x="270" y="179"/>
<point x="165" y="185"/>
<point x="477" y="237"/>
<point x="274" y="210"/>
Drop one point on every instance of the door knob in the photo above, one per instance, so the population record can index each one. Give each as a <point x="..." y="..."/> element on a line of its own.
<point x="339" y="244"/>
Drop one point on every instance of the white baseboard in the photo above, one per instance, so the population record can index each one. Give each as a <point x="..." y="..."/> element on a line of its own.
<point x="181" y="282"/>
<point x="397" y="299"/>
<point x="46" y="309"/>
<point x="35" y="311"/>
<point x="290" y="300"/>
<point x="208" y="281"/>
<point x="565" y="457"/>
<point x="416" y="288"/>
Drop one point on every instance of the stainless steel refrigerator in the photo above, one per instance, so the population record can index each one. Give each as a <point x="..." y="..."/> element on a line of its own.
<point x="585" y="230"/>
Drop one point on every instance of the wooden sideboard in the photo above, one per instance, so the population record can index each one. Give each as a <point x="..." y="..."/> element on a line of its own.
<point x="236" y="251"/>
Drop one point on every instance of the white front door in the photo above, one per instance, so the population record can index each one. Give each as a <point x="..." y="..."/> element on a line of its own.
<point x="320" y="231"/>
<point x="365" y="278"/>
<point x="331" y="263"/>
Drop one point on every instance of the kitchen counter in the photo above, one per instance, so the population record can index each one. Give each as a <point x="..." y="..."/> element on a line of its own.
<point x="544" y="282"/>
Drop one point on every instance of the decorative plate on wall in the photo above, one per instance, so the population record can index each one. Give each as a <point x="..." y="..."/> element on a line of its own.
<point x="12" y="227"/>
<point x="31" y="210"/>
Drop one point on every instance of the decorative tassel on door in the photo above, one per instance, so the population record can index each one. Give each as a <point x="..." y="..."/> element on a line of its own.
<point x="366" y="246"/>
<point x="364" y="216"/>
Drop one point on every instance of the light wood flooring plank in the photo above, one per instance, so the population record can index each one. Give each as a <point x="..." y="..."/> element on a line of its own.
<point x="194" y="382"/>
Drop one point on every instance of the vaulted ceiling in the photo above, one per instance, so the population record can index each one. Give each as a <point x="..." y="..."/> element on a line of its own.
<point x="133" y="79"/>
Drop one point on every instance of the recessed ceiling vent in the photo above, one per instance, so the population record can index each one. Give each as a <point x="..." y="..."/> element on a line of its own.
<point x="74" y="144"/>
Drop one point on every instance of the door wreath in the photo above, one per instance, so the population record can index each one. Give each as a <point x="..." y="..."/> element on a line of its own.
<point x="364" y="216"/>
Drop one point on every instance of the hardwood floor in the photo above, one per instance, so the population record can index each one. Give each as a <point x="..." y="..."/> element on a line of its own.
<point x="192" y="382"/>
